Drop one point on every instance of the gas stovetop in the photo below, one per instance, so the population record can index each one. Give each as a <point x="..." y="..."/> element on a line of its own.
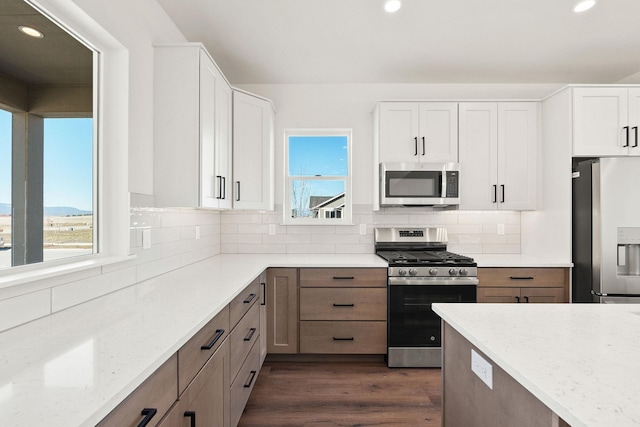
<point x="426" y="258"/>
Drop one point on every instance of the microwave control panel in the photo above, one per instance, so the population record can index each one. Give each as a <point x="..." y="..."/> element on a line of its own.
<point x="452" y="183"/>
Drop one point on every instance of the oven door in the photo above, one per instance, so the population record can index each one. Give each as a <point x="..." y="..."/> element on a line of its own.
<point x="411" y="321"/>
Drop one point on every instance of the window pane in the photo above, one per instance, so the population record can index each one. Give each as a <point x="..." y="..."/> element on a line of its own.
<point x="317" y="198"/>
<point x="68" y="187"/>
<point x="5" y="189"/>
<point x="318" y="155"/>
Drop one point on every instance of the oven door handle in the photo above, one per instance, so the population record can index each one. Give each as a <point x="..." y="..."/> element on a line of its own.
<point x="446" y="281"/>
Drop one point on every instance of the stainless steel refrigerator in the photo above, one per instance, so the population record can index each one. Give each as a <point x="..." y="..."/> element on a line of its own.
<point x="606" y="230"/>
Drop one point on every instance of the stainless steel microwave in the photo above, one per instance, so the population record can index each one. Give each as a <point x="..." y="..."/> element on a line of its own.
<point x="419" y="184"/>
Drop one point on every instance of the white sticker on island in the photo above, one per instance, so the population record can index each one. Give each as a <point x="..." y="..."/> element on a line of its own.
<point x="482" y="369"/>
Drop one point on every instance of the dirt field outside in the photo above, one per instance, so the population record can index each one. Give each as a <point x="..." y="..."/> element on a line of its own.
<point x="59" y="231"/>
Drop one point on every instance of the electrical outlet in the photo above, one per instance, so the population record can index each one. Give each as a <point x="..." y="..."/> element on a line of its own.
<point x="197" y="232"/>
<point x="482" y="369"/>
<point x="146" y="238"/>
<point x="500" y="229"/>
<point x="272" y="229"/>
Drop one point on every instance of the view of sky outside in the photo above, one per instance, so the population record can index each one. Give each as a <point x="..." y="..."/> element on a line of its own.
<point x="5" y="157"/>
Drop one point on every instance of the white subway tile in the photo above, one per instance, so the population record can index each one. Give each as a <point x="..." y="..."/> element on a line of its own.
<point x="358" y="248"/>
<point x="326" y="248"/>
<point x="335" y="238"/>
<point x="229" y="248"/>
<point x="464" y="228"/>
<point x="241" y="238"/>
<point x="494" y="239"/>
<point x="179" y="218"/>
<point x="310" y="229"/>
<point x="298" y="238"/>
<point x="241" y="218"/>
<point x="253" y="228"/>
<point x="465" y="249"/>
<point x="157" y="267"/>
<point x="198" y="255"/>
<point x="145" y="218"/>
<point x="501" y="249"/>
<point x="188" y="232"/>
<point x="278" y="238"/>
<point x="24" y="308"/>
<point x="469" y="239"/>
<point x="229" y="229"/>
<point x="262" y="249"/>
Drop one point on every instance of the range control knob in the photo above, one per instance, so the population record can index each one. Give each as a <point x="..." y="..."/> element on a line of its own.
<point x="452" y="272"/>
<point x="433" y="271"/>
<point x="402" y="272"/>
<point x="464" y="272"/>
<point x="413" y="271"/>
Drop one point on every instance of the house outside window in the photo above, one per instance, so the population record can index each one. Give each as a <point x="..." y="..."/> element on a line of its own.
<point x="317" y="176"/>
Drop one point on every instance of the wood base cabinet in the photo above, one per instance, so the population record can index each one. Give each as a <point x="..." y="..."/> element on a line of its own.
<point x="282" y="310"/>
<point x="523" y="285"/>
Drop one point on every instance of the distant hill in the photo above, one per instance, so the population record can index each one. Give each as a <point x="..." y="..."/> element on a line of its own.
<point x="5" y="209"/>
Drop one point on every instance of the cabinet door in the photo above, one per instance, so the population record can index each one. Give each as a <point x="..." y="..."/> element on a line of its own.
<point x="263" y="316"/>
<point x="399" y="132"/>
<point x="223" y="113"/>
<point x="438" y="132"/>
<point x="207" y="397"/>
<point x="517" y="154"/>
<point x="542" y="295"/>
<point x="478" y="141"/>
<point x="599" y="118"/>
<point x="282" y="310"/>
<point x="498" y="295"/>
<point x="252" y="152"/>
<point x="634" y="122"/>
<point x="210" y="185"/>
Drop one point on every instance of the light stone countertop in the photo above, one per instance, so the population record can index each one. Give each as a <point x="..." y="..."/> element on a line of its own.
<point x="517" y="260"/>
<point x="581" y="360"/>
<point x="72" y="368"/>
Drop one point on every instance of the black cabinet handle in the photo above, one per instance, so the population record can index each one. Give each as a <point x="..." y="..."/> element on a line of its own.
<point x="416" y="146"/>
<point x="495" y="194"/>
<point x="264" y="294"/>
<point x="251" y="378"/>
<point x="342" y="339"/>
<point x="224" y="187"/>
<point x="214" y="340"/>
<point x="521" y="278"/>
<point x="191" y="415"/>
<point x="343" y="277"/>
<point x="635" y="142"/>
<point x="219" y="178"/>
<point x="237" y="191"/>
<point x="518" y="300"/>
<point x="250" y="334"/>
<point x="626" y="128"/>
<point x="502" y="188"/>
<point x="342" y="305"/>
<point x="423" y="149"/>
<point x="248" y="300"/>
<point x="526" y="299"/>
<point x="148" y="414"/>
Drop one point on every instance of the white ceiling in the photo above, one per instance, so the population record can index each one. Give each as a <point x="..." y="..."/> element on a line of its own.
<point x="427" y="41"/>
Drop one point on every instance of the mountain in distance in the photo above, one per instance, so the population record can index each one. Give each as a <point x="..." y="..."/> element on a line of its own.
<point x="5" y="209"/>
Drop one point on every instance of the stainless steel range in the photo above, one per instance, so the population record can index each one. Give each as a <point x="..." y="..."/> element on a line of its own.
<point x="421" y="272"/>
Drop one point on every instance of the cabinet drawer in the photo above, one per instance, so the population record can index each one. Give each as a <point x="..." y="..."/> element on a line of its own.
<point x="243" y="302"/>
<point x="343" y="304"/>
<point x="343" y="277"/>
<point x="521" y="277"/>
<point x="242" y="339"/>
<point x="158" y="393"/>
<point x="195" y="353"/>
<point x="243" y="384"/>
<point x="326" y="337"/>
<point x="498" y="295"/>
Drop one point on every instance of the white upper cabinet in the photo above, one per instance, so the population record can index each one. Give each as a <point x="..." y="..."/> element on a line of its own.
<point x="498" y="155"/>
<point x="605" y="121"/>
<point x="411" y="132"/>
<point x="253" y="175"/>
<point x="192" y="129"/>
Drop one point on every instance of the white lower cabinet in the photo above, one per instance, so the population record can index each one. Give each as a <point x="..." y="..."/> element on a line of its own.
<point x="498" y="155"/>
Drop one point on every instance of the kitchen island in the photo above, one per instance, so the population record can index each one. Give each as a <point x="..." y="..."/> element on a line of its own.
<point x="541" y="364"/>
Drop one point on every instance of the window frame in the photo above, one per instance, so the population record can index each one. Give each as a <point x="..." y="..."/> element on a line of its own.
<point x="111" y="129"/>
<point x="347" y="211"/>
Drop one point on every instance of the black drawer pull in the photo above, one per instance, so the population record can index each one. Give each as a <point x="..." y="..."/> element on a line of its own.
<point x="342" y="339"/>
<point x="343" y="277"/>
<point x="191" y="415"/>
<point x="216" y="337"/>
<point x="148" y="414"/>
<point x="518" y="300"/>
<point x="342" y="305"/>
<point x="264" y="294"/>
<point x="526" y="299"/>
<point x="250" y="334"/>
<point x="251" y="297"/>
<point x="521" y="278"/>
<point x="251" y="378"/>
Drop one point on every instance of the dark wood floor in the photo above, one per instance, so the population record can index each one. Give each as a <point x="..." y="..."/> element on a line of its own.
<point x="322" y="394"/>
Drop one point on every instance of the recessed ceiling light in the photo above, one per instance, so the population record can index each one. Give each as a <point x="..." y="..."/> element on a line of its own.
<point x="30" y="31"/>
<point x="392" y="5"/>
<point x="584" y="5"/>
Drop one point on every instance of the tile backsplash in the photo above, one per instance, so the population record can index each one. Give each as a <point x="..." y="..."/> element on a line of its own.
<point x="470" y="232"/>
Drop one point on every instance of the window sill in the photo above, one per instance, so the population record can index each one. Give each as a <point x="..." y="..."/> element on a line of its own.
<point x="21" y="275"/>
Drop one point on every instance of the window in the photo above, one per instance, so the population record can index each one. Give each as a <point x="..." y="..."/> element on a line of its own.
<point x="318" y="176"/>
